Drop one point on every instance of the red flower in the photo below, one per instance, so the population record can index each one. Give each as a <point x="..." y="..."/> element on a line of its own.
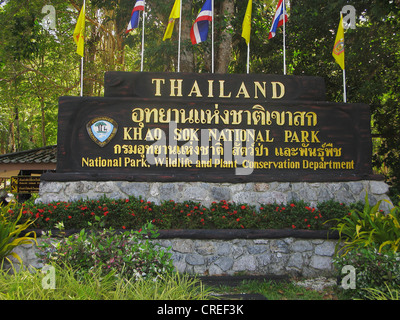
<point x="69" y="217"/>
<point x="47" y="219"/>
<point x="105" y="213"/>
<point x="123" y="227"/>
<point x="92" y="213"/>
<point x="293" y="226"/>
<point x="261" y="208"/>
<point x="243" y="207"/>
<point x="292" y="205"/>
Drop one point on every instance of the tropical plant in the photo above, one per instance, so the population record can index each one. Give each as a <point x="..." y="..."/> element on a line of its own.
<point x="128" y="254"/>
<point x="380" y="271"/>
<point x="10" y="231"/>
<point x="370" y="227"/>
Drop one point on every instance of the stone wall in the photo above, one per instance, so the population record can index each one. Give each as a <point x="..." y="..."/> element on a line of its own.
<point x="252" y="193"/>
<point x="269" y="255"/>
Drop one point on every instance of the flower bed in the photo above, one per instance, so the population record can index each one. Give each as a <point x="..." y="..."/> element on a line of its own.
<point x="132" y="213"/>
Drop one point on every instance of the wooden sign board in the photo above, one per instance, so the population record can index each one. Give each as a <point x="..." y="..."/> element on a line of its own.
<point x="25" y="184"/>
<point x="185" y="128"/>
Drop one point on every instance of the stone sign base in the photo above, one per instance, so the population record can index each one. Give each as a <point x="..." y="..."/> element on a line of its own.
<point x="286" y="256"/>
<point x="250" y="193"/>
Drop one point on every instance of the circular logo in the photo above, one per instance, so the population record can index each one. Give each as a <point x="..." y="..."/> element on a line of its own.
<point x="339" y="47"/>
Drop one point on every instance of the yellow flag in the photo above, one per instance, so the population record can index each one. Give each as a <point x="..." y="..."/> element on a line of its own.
<point x="79" y="32"/>
<point x="246" y="27"/>
<point x="175" y="14"/>
<point x="338" y="48"/>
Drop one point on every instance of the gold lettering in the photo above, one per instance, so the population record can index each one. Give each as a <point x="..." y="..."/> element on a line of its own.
<point x="126" y="133"/>
<point x="177" y="87"/>
<point x="274" y="90"/>
<point x="210" y="88"/>
<point x="293" y="136"/>
<point x="196" y="90"/>
<point x="222" y="90"/>
<point x="243" y="91"/>
<point x="257" y="85"/>
<point x="158" y="86"/>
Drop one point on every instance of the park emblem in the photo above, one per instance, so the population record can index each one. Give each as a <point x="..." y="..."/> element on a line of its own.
<point x="102" y="130"/>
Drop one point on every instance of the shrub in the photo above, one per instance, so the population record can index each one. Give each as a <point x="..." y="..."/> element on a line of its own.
<point x="133" y="212"/>
<point x="370" y="227"/>
<point x="373" y="270"/>
<point x="128" y="254"/>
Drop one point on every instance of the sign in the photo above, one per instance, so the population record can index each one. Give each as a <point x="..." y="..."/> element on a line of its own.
<point x="216" y="128"/>
<point x="25" y="184"/>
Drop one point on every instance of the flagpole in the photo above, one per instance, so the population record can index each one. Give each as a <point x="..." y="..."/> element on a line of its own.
<point x="84" y="6"/>
<point x="212" y="37"/>
<point x="179" y="38"/>
<point x="248" y="58"/>
<point x="143" y="17"/>
<point x="344" y="86"/>
<point x="284" y="38"/>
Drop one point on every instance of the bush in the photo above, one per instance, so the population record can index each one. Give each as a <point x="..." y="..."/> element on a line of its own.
<point x="369" y="227"/>
<point x="373" y="270"/>
<point x="129" y="254"/>
<point x="133" y="212"/>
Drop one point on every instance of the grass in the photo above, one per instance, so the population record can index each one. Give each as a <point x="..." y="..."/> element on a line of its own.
<point x="25" y="285"/>
<point x="70" y="285"/>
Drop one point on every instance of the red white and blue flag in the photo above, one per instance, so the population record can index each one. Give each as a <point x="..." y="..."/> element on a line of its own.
<point x="278" y="18"/>
<point x="134" y="22"/>
<point x="199" y="30"/>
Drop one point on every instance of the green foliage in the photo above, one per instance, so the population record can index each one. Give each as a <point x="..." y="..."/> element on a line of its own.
<point x="10" y="231"/>
<point x="72" y="285"/>
<point x="388" y="294"/>
<point x="373" y="270"/>
<point x="130" y="254"/>
<point x="370" y="227"/>
<point x="133" y="213"/>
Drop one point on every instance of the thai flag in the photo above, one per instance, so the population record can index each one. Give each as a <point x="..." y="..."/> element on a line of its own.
<point x="134" y="22"/>
<point x="278" y="18"/>
<point x="199" y="30"/>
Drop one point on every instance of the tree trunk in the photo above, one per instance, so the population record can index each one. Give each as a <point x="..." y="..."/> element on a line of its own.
<point x="224" y="49"/>
<point x="187" y="55"/>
